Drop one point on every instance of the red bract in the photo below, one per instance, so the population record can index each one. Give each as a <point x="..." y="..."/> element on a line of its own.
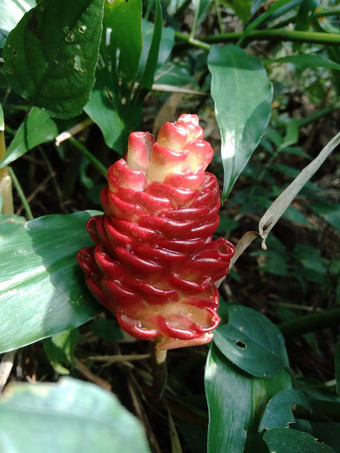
<point x="154" y="264"/>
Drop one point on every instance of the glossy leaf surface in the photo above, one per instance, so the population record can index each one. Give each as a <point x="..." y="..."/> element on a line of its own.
<point x="68" y="416"/>
<point x="37" y="128"/>
<point x="42" y="290"/>
<point x="123" y="19"/>
<point x="51" y="55"/>
<point x="284" y="440"/>
<point x="236" y="403"/>
<point x="242" y="94"/>
<point x="252" y="342"/>
<point x="11" y="12"/>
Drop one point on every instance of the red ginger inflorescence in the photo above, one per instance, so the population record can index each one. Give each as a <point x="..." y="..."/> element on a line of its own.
<point x="154" y="264"/>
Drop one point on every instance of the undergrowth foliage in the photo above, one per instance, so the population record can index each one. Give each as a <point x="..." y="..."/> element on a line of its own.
<point x="76" y="79"/>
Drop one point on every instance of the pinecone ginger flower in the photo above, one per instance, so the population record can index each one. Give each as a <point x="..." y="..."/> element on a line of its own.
<point x="154" y="264"/>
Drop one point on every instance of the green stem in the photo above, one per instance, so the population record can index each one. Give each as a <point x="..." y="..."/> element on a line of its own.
<point x="311" y="323"/>
<point x="21" y="194"/>
<point x="275" y="35"/>
<point x="193" y="42"/>
<point x="5" y="179"/>
<point x="95" y="162"/>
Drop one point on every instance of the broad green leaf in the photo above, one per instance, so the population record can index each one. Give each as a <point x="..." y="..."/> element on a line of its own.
<point x="60" y="349"/>
<point x="285" y="440"/>
<point x="174" y="74"/>
<point x="123" y="20"/>
<point x="11" y="12"/>
<point x="110" y="105"/>
<point x="67" y="417"/>
<point x="165" y="46"/>
<point x="279" y="412"/>
<point x="329" y="211"/>
<point x="151" y="63"/>
<point x="305" y="14"/>
<point x="42" y="288"/>
<point x="242" y="94"/>
<point x="115" y="121"/>
<point x="37" y="128"/>
<point x="252" y="342"/>
<point x="51" y="55"/>
<point x="236" y="402"/>
<point x="303" y="61"/>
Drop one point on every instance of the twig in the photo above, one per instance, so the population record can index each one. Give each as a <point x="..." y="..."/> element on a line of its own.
<point x="91" y="376"/>
<point x="117" y="358"/>
<point x="73" y="131"/>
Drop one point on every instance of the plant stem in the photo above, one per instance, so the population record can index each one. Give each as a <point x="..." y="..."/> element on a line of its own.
<point x="193" y="42"/>
<point x="263" y="35"/>
<point x="159" y="370"/>
<point x="21" y="194"/>
<point x="95" y="162"/>
<point x="5" y="179"/>
<point x="311" y="323"/>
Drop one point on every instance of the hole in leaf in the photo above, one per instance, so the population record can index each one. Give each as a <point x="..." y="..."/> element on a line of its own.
<point x="79" y="63"/>
<point x="240" y="344"/>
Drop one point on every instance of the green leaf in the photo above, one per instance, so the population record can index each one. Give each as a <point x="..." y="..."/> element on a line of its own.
<point x="303" y="61"/>
<point x="102" y="110"/>
<point x="67" y="417"/>
<point x="329" y="211"/>
<point x="37" y="128"/>
<point x="279" y="412"/>
<point x="272" y="262"/>
<point x="241" y="118"/>
<point x="242" y="9"/>
<point x="51" y="55"/>
<point x="60" y="349"/>
<point x="42" y="288"/>
<point x="106" y="329"/>
<point x="236" y="402"/>
<point x="175" y="74"/>
<point x="11" y="12"/>
<point x="284" y="440"/>
<point x="147" y="78"/>
<point x="123" y="19"/>
<point x="252" y="342"/>
<point x="110" y="105"/>
<point x="166" y="44"/>
<point x="305" y="14"/>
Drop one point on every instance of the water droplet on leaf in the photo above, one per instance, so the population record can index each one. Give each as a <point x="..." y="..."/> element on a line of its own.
<point x="82" y="29"/>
